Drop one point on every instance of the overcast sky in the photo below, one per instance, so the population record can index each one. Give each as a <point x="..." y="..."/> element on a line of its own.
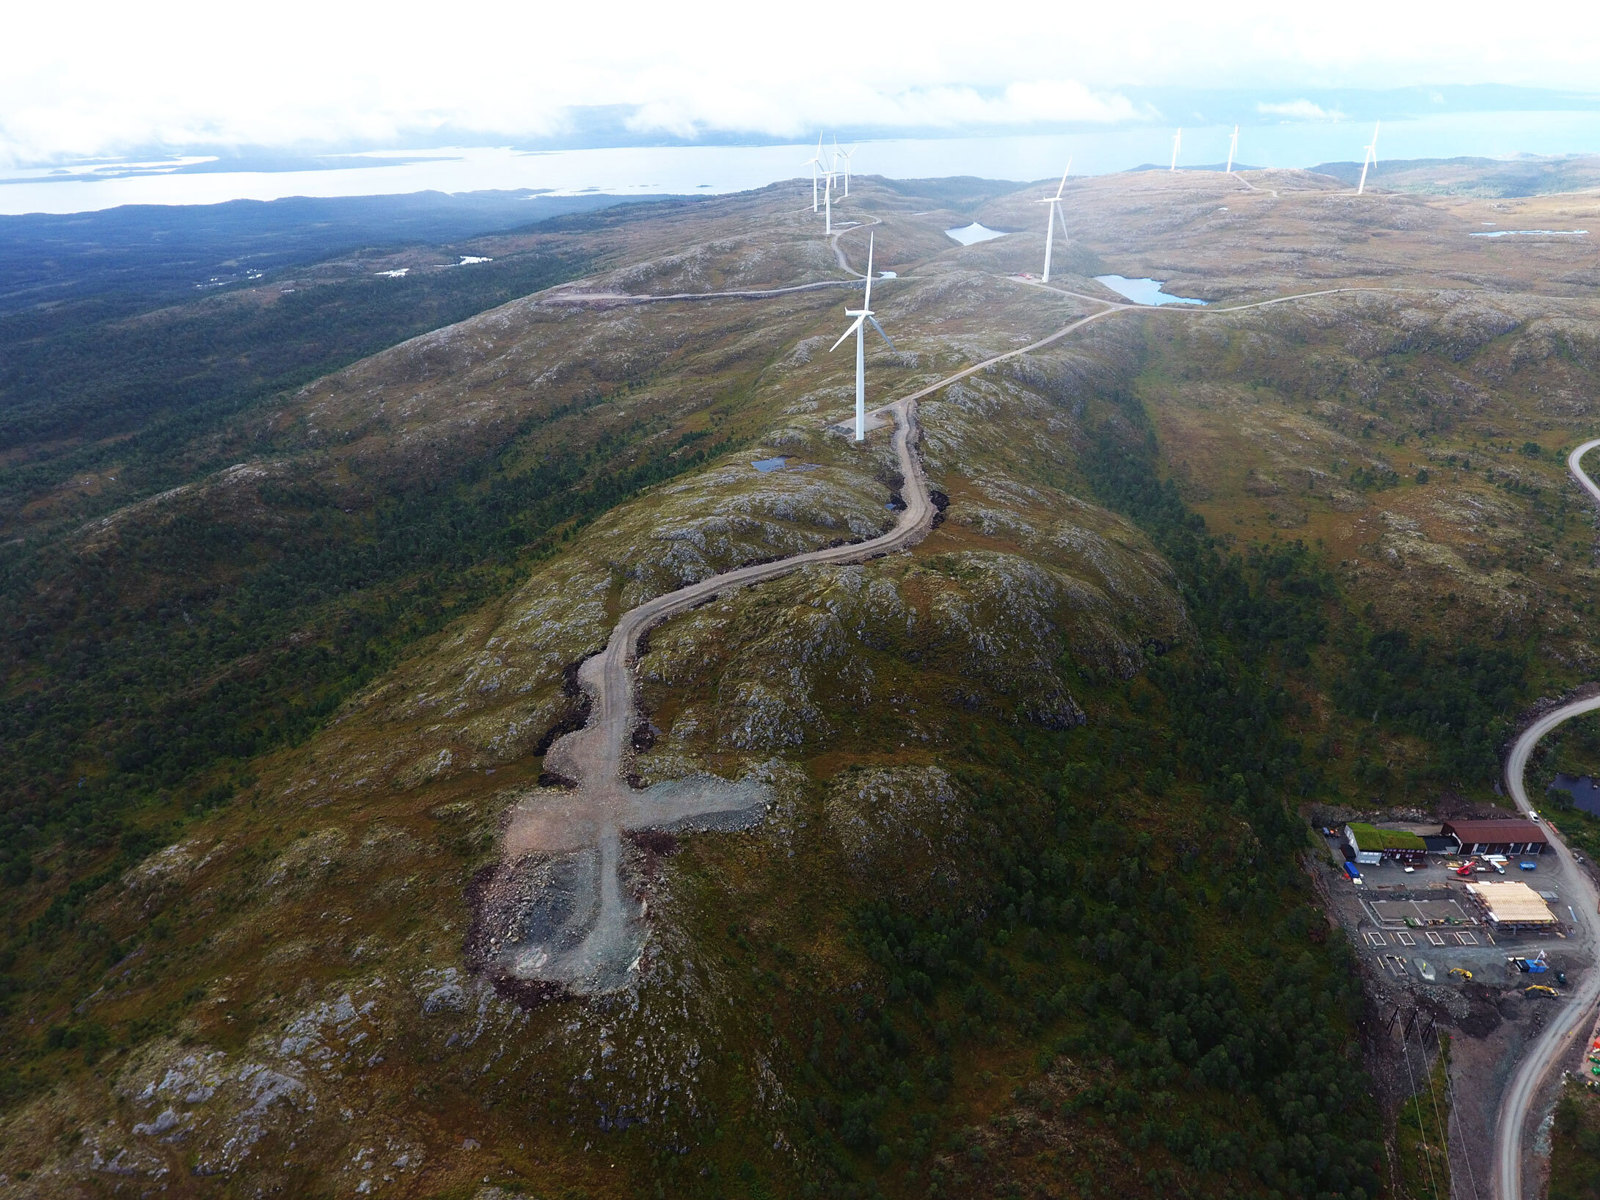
<point x="111" y="78"/>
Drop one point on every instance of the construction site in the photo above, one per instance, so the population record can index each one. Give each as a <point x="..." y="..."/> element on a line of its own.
<point x="1454" y="952"/>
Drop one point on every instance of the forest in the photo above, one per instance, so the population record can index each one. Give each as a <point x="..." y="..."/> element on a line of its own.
<point x="1144" y="921"/>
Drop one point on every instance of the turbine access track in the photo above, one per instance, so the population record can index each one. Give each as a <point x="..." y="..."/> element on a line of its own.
<point x="552" y="917"/>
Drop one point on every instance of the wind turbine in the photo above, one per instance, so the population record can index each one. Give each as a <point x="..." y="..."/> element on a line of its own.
<point x="815" y="163"/>
<point x="1050" y="221"/>
<point x="1177" y="140"/>
<point x="827" y="195"/>
<point x="847" y="155"/>
<point x="1370" y="159"/>
<point x="862" y="315"/>
<point x="1233" y="148"/>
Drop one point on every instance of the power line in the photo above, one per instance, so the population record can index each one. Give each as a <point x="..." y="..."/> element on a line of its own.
<point x="1438" y="1121"/>
<point x="1466" y="1152"/>
<point x="1405" y="1051"/>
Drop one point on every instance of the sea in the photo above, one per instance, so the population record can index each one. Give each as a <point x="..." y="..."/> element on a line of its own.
<point x="711" y="169"/>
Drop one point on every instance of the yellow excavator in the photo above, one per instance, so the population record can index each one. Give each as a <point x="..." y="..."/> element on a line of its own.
<point x="1465" y="974"/>
<point x="1539" y="989"/>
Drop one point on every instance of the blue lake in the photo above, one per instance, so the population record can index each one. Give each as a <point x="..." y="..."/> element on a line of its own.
<point x="1143" y="291"/>
<point x="971" y="235"/>
<point x="1500" y="233"/>
<point x="770" y="464"/>
<point x="1585" y="791"/>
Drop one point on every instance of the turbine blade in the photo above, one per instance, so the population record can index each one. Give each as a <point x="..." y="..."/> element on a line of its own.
<point x="853" y="327"/>
<point x="1063" y="218"/>
<point x="1063" y="186"/>
<point x="881" y="333"/>
<point x="867" y="301"/>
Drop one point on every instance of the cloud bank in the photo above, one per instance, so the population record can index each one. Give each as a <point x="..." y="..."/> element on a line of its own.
<point x="1300" y="110"/>
<point x="109" y="78"/>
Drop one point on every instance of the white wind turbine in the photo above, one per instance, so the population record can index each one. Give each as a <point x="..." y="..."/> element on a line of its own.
<point x="862" y="315"/>
<point x="847" y="155"/>
<point x="815" y="163"/>
<point x="827" y="198"/>
<point x="1050" y="221"/>
<point x="1233" y="148"/>
<point x="1177" y="140"/>
<point x="1370" y="159"/>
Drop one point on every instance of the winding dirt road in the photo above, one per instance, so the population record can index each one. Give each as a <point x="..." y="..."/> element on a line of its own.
<point x="1576" y="1013"/>
<point x="591" y="820"/>
<point x="747" y="294"/>
<point x="604" y="805"/>
<point x="590" y="941"/>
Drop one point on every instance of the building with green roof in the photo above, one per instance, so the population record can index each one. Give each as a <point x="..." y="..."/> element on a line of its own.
<point x="1373" y="845"/>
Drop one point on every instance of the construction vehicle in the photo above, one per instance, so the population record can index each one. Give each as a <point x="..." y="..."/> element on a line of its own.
<point x="1539" y="989"/>
<point x="1464" y="869"/>
<point x="1465" y="974"/>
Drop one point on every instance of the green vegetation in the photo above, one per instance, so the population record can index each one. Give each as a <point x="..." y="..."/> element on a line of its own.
<point x="1571" y="749"/>
<point x="1369" y="837"/>
<point x="1575" y="1144"/>
<point x="1422" y="1136"/>
<point x="121" y="716"/>
<point x="92" y="385"/>
<point x="1140" y="920"/>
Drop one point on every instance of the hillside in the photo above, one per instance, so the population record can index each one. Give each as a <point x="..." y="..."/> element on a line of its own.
<point x="1028" y="907"/>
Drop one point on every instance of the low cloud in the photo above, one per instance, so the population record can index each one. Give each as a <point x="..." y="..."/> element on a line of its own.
<point x="1037" y="102"/>
<point x="1300" y="110"/>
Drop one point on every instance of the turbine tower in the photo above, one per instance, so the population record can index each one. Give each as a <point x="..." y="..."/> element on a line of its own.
<point x="862" y="315"/>
<point x="1233" y="148"/>
<point x="815" y="163"/>
<point x="1177" y="140"/>
<point x="847" y="155"/>
<point x="1370" y="159"/>
<point x="827" y="198"/>
<point x="1050" y="220"/>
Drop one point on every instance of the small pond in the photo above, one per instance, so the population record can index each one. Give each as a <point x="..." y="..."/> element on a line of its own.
<point x="1143" y="291"/>
<point x="770" y="464"/>
<point x="1497" y="233"/>
<point x="971" y="235"/>
<point x="1585" y="791"/>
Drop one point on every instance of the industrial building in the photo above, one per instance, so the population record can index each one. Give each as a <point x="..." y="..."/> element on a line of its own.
<point x="1509" y="906"/>
<point x="1373" y="845"/>
<point x="1509" y="836"/>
